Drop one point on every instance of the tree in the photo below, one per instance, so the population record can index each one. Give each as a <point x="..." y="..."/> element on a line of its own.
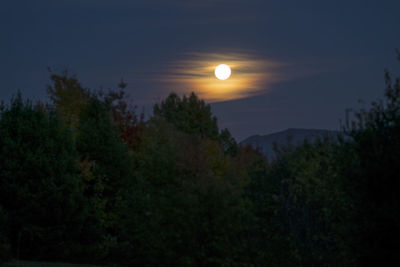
<point x="186" y="207"/>
<point x="189" y="115"/>
<point x="106" y="171"/>
<point x="39" y="186"/>
<point x="68" y="97"/>
<point x="376" y="144"/>
<point x="5" y="253"/>
<point x="193" y="116"/>
<point x="124" y="115"/>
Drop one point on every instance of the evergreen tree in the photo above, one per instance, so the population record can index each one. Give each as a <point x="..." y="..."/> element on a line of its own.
<point x="106" y="171"/>
<point x="39" y="186"/>
<point x="375" y="176"/>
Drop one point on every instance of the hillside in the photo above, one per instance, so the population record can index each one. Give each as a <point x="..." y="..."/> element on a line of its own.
<point x="265" y="143"/>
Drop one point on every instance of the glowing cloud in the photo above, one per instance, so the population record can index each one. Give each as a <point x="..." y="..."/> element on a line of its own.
<point x="251" y="75"/>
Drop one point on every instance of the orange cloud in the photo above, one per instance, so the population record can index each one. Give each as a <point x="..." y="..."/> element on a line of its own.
<point x="195" y="73"/>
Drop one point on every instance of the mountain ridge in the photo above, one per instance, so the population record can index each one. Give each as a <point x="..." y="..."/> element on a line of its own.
<point x="290" y="136"/>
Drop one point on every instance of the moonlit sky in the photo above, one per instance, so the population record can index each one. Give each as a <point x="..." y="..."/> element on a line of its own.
<point x="295" y="64"/>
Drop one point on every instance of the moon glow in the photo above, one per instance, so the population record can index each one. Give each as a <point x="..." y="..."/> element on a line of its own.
<point x="222" y="72"/>
<point x="246" y="75"/>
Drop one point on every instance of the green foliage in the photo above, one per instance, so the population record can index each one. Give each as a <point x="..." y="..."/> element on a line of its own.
<point x="85" y="179"/>
<point x="375" y="174"/>
<point x="228" y="143"/>
<point x="5" y="252"/>
<point x="193" y="116"/>
<point x="39" y="187"/>
<point x="124" y="116"/>
<point x="68" y="97"/>
<point x="189" y="115"/>
<point x="175" y="209"/>
<point x="105" y="168"/>
<point x="312" y="203"/>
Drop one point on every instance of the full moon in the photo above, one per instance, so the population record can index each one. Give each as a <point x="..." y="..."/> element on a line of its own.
<point x="222" y="72"/>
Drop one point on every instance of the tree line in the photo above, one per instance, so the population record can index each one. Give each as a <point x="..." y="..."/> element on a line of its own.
<point x="86" y="179"/>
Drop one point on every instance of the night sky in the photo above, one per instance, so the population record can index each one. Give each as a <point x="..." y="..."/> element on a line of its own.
<point x="295" y="64"/>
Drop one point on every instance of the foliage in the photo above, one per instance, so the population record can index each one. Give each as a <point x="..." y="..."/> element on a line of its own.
<point x="124" y="115"/>
<point x="86" y="179"/>
<point x="39" y="187"/>
<point x="4" y="242"/>
<point x="68" y="96"/>
<point x="375" y="173"/>
<point x="183" y="184"/>
<point x="105" y="170"/>
<point x="189" y="115"/>
<point x="193" y="116"/>
<point x="312" y="203"/>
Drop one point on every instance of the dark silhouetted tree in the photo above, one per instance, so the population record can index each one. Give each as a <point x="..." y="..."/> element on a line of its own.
<point x="39" y="186"/>
<point x="193" y="116"/>
<point x="375" y="177"/>
<point x="68" y="97"/>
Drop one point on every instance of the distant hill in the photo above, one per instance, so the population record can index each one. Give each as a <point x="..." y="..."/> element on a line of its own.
<point x="265" y="143"/>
